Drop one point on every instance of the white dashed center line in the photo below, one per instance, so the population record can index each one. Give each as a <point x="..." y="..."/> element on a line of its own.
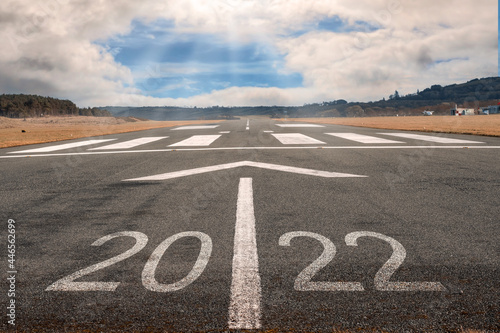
<point x="244" y="310"/>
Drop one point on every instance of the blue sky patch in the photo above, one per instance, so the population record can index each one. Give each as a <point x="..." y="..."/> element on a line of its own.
<point x="168" y="64"/>
<point x="189" y="85"/>
<point x="336" y="24"/>
<point x="440" y="61"/>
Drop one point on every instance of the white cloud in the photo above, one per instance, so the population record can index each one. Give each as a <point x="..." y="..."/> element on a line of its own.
<point x="233" y="96"/>
<point x="404" y="54"/>
<point x="50" y="51"/>
<point x="51" y="47"/>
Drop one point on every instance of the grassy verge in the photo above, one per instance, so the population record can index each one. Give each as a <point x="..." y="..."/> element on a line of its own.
<point x="488" y="125"/>
<point x="50" y="129"/>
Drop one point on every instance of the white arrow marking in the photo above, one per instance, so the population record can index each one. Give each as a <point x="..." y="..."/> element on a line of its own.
<point x="184" y="173"/>
<point x="244" y="310"/>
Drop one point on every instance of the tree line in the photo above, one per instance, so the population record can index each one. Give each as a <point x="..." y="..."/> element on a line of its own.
<point x="22" y="106"/>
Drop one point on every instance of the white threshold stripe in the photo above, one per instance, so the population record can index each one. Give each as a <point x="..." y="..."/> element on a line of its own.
<point x="244" y="309"/>
<point x="429" y="138"/>
<point x="244" y="148"/>
<point x="362" y="138"/>
<point x="130" y="144"/>
<point x="298" y="125"/>
<point x="197" y="140"/>
<point x="195" y="127"/>
<point x="61" y="147"/>
<point x="268" y="166"/>
<point x="296" y="139"/>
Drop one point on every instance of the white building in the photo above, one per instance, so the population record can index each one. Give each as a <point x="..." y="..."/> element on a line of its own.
<point x="462" y="111"/>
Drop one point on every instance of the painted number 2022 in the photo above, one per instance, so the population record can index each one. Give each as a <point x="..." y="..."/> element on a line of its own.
<point x="303" y="281"/>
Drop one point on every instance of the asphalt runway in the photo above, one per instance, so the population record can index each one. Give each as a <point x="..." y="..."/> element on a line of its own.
<point x="249" y="225"/>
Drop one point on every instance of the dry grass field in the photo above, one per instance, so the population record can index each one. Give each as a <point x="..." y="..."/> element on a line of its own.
<point x="488" y="125"/>
<point x="50" y="129"/>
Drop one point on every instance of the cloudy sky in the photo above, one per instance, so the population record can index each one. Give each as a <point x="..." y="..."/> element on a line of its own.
<point x="242" y="52"/>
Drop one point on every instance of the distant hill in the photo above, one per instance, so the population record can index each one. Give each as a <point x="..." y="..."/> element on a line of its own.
<point x="474" y="93"/>
<point x="180" y="113"/>
<point x="20" y="106"/>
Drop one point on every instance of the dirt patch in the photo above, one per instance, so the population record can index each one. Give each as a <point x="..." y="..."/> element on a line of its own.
<point x="488" y="125"/>
<point x="18" y="132"/>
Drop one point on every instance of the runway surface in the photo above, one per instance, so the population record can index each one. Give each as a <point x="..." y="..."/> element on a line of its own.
<point x="253" y="224"/>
